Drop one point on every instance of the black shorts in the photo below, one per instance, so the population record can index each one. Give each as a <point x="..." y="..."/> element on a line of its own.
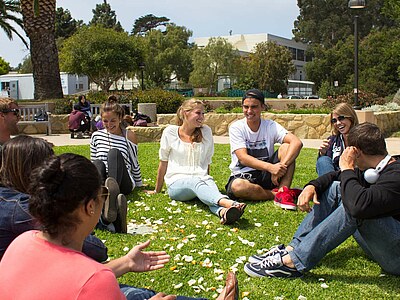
<point x="262" y="178"/>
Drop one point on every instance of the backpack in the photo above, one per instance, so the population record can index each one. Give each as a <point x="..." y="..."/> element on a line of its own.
<point x="141" y="120"/>
<point x="41" y="116"/>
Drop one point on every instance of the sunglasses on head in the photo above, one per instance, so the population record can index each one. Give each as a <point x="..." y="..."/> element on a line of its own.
<point x="340" y="118"/>
<point x="13" y="110"/>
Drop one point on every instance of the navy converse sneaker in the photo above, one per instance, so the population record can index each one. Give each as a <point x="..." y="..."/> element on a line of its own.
<point x="271" y="266"/>
<point x="257" y="258"/>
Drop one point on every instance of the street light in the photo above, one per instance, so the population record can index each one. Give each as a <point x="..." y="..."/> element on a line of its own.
<point x="142" y="65"/>
<point x="356" y="4"/>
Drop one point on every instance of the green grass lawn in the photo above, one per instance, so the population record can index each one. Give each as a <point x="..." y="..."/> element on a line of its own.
<point x="201" y="248"/>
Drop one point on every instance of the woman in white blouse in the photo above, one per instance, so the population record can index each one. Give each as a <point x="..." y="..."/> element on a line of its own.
<point x="186" y="152"/>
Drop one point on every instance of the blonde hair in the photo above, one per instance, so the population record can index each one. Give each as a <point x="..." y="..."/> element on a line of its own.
<point x="5" y="103"/>
<point x="189" y="105"/>
<point x="344" y="109"/>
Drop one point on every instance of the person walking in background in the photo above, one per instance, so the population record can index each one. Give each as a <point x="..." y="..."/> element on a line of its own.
<point x="186" y="152"/>
<point x="257" y="171"/>
<point x="343" y="118"/>
<point x="114" y="152"/>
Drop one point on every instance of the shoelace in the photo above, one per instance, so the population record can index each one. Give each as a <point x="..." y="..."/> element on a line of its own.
<point x="271" y="261"/>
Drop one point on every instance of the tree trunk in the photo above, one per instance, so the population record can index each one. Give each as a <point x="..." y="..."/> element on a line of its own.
<point x="40" y="28"/>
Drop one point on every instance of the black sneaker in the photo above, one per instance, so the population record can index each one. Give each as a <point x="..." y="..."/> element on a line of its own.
<point x="271" y="266"/>
<point x="257" y="258"/>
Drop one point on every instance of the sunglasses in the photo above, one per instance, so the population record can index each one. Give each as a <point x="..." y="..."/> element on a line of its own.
<point x="13" y="110"/>
<point x="340" y="119"/>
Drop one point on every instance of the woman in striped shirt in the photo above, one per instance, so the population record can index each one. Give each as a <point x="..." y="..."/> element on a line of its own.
<point x="113" y="150"/>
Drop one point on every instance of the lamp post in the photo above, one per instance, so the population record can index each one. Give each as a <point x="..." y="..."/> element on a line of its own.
<point x="356" y="4"/>
<point x="142" y="65"/>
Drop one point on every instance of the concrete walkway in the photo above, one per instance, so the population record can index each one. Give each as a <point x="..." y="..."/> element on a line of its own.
<point x="393" y="144"/>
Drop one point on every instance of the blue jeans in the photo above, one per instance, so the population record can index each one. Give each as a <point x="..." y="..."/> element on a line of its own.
<point x="189" y="188"/>
<point x="133" y="293"/>
<point x="328" y="225"/>
<point x="324" y="165"/>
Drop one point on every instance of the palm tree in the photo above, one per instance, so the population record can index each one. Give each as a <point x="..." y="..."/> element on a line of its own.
<point x="9" y="11"/>
<point x="39" y="24"/>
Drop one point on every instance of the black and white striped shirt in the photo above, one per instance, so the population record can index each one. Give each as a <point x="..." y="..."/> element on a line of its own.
<point x="101" y="143"/>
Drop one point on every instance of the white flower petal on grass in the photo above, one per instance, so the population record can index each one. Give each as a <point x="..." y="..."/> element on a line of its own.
<point x="301" y="297"/>
<point x="251" y="244"/>
<point x="382" y="275"/>
<point x="177" y="257"/>
<point x="178" y="286"/>
<point x="218" y="271"/>
<point x="191" y="282"/>
<point x="321" y="279"/>
<point x="220" y="228"/>
<point x="231" y="243"/>
<point x="214" y="235"/>
<point x="279" y="298"/>
<point x="220" y="277"/>
<point x="228" y="249"/>
<point x="173" y="203"/>
<point x="205" y="222"/>
<point x="179" y="246"/>
<point x="277" y="238"/>
<point x="276" y="224"/>
<point x="187" y="258"/>
<point x="324" y="285"/>
<point x="200" y="280"/>
<point x="257" y="224"/>
<point x="199" y="210"/>
<point x="126" y="249"/>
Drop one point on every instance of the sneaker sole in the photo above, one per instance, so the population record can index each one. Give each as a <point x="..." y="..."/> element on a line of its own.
<point x="251" y="273"/>
<point x="110" y="205"/>
<point x="277" y="203"/>
<point x="288" y="206"/>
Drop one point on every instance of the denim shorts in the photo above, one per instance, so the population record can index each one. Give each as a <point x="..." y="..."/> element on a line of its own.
<point x="261" y="178"/>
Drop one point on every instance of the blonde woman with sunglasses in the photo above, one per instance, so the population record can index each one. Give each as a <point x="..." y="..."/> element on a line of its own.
<point x="343" y="118"/>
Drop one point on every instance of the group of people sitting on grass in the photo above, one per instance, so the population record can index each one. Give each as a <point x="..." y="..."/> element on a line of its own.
<point x="356" y="193"/>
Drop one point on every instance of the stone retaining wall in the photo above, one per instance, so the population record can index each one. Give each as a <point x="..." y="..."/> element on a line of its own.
<point x="316" y="126"/>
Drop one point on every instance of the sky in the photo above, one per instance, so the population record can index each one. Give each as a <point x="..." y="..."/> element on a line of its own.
<point x="204" y="18"/>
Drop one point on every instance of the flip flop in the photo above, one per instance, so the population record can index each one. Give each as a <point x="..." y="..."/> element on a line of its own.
<point x="239" y="205"/>
<point x="230" y="216"/>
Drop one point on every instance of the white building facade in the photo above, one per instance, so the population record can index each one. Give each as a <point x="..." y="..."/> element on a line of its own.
<point x="246" y="43"/>
<point x="21" y="87"/>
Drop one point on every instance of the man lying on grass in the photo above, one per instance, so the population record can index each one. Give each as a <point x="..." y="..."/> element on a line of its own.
<point x="365" y="203"/>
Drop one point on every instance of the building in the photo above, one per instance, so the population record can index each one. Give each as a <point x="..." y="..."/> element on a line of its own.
<point x="245" y="43"/>
<point x="21" y="87"/>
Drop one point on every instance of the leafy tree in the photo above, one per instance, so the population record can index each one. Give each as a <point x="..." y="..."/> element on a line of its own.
<point x="391" y="9"/>
<point x="4" y="66"/>
<point x="39" y="20"/>
<point x="380" y="62"/>
<point x="270" y="66"/>
<point x="147" y="23"/>
<point x="167" y="55"/>
<point x="65" y="24"/>
<point x="9" y="12"/>
<point x="103" y="54"/>
<point x="329" y="21"/>
<point x="217" y="58"/>
<point x="104" y="16"/>
<point x="25" y="66"/>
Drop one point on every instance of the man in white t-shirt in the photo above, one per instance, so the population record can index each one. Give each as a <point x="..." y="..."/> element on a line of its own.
<point x="257" y="171"/>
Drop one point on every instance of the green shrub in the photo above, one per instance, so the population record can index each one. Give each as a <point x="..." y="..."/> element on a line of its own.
<point x="364" y="99"/>
<point x="63" y="106"/>
<point x="167" y="102"/>
<point x="99" y="97"/>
